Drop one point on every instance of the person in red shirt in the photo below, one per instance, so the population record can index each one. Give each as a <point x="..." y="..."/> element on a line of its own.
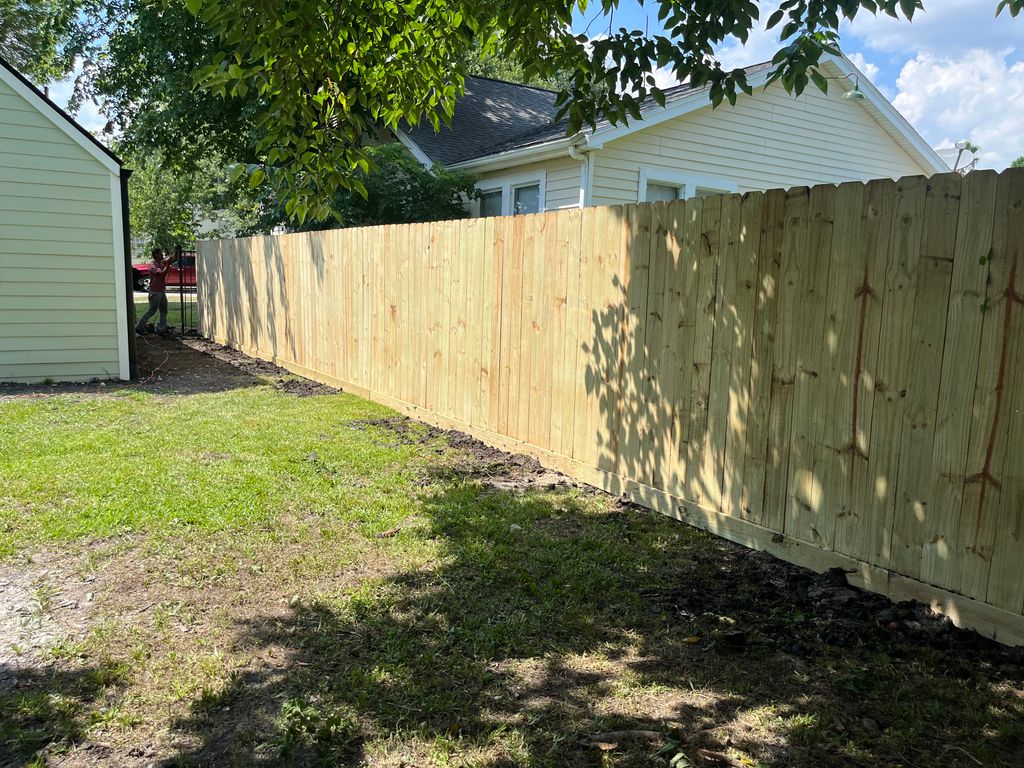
<point x="157" y="292"/>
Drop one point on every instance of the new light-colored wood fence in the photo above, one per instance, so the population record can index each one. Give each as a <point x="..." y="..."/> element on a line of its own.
<point x="835" y="375"/>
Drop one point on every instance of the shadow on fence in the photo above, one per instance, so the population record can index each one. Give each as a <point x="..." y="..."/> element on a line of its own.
<point x="829" y="369"/>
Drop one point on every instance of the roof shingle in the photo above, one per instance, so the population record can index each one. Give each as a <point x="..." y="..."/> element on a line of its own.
<point x="496" y="116"/>
<point x="489" y="114"/>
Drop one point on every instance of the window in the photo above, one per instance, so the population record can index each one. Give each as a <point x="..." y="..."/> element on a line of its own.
<point x="708" y="192"/>
<point x="661" y="192"/>
<point x="511" y="195"/>
<point x="490" y="203"/>
<point x="666" y="184"/>
<point x="527" y="199"/>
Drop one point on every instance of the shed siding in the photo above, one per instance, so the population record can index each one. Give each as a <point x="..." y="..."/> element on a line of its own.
<point x="58" y="303"/>
<point x="562" y="184"/>
<point x="766" y="141"/>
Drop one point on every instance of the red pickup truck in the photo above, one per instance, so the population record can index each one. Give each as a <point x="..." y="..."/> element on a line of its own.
<point x="183" y="273"/>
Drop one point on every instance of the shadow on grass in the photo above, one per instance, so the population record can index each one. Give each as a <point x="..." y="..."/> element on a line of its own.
<point x="549" y="617"/>
<point x="46" y="708"/>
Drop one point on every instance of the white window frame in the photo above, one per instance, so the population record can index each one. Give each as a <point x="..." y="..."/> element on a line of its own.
<point x="508" y="184"/>
<point x="687" y="184"/>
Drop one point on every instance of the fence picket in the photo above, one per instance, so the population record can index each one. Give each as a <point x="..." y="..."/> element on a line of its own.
<point x="834" y="375"/>
<point x="920" y="530"/>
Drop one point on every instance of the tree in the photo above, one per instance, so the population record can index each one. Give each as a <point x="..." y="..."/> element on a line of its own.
<point x="1018" y="163"/>
<point x="303" y="83"/>
<point x="145" y="81"/>
<point x="42" y="38"/>
<point x="173" y="206"/>
<point x="398" y="190"/>
<point x="484" y="63"/>
<point x="329" y="71"/>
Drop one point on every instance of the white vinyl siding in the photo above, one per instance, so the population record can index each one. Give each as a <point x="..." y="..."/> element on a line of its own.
<point x="767" y="140"/>
<point x="58" y="300"/>
<point x="562" y="181"/>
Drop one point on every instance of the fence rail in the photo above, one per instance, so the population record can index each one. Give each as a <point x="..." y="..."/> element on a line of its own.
<point x="833" y="374"/>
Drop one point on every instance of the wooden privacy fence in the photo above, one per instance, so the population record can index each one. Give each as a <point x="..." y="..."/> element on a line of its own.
<point x="834" y="374"/>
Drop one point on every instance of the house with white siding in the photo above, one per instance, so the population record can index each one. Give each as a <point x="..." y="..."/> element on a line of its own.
<point x="65" y="303"/>
<point x="507" y="134"/>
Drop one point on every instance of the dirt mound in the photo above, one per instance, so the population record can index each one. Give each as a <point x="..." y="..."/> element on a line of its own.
<point x="818" y="608"/>
<point x="474" y="459"/>
<point x="282" y="379"/>
<point x="405" y="431"/>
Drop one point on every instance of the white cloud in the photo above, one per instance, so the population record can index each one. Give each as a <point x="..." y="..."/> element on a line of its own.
<point x="665" y="77"/>
<point x="979" y="96"/>
<point x="763" y="44"/>
<point x="865" y="66"/>
<point x="944" y="26"/>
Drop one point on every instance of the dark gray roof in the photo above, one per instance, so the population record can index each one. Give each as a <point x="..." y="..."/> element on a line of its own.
<point x="495" y="116"/>
<point x="488" y="114"/>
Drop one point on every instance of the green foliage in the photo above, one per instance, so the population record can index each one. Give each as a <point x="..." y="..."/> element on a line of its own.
<point x="172" y="206"/>
<point x="293" y="89"/>
<point x="398" y="190"/>
<point x="328" y="71"/>
<point x="41" y="38"/>
<point x="483" y="62"/>
<point x="145" y="80"/>
<point x="330" y="736"/>
<point x="1018" y="163"/>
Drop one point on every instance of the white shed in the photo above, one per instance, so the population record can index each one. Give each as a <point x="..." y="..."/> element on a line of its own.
<point x="65" y="305"/>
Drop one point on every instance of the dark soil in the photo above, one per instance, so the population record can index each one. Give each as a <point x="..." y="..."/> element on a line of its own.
<point x="794" y="610"/>
<point x="281" y="378"/>
<point x="186" y="365"/>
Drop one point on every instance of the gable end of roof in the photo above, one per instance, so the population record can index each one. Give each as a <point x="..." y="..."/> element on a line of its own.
<point x="544" y="136"/>
<point x="24" y="87"/>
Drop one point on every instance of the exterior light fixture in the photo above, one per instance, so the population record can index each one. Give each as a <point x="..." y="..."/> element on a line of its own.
<point x="856" y="94"/>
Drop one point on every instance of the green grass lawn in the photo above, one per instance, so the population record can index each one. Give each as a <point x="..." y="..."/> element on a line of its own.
<point x="233" y="460"/>
<point x="247" y="577"/>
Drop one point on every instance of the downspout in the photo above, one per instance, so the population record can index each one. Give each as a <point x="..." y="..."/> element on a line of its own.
<point x="584" y="168"/>
<point x="126" y="233"/>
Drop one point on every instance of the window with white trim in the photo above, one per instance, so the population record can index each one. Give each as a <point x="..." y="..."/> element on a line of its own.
<point x="665" y="184"/>
<point x="657" y="191"/>
<point x="511" y="195"/>
<point x="490" y="203"/>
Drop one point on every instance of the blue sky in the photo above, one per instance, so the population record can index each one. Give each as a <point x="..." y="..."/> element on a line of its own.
<point x="955" y="72"/>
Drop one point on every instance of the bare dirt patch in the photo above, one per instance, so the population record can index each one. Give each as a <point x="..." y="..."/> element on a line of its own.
<point x="44" y="601"/>
<point x="184" y="366"/>
<point x="279" y="377"/>
<point x="471" y="459"/>
<point x="505" y="471"/>
<point x="137" y="634"/>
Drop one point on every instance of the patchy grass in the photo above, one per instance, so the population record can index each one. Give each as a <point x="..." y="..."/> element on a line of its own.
<point x="261" y="578"/>
<point x="174" y="308"/>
